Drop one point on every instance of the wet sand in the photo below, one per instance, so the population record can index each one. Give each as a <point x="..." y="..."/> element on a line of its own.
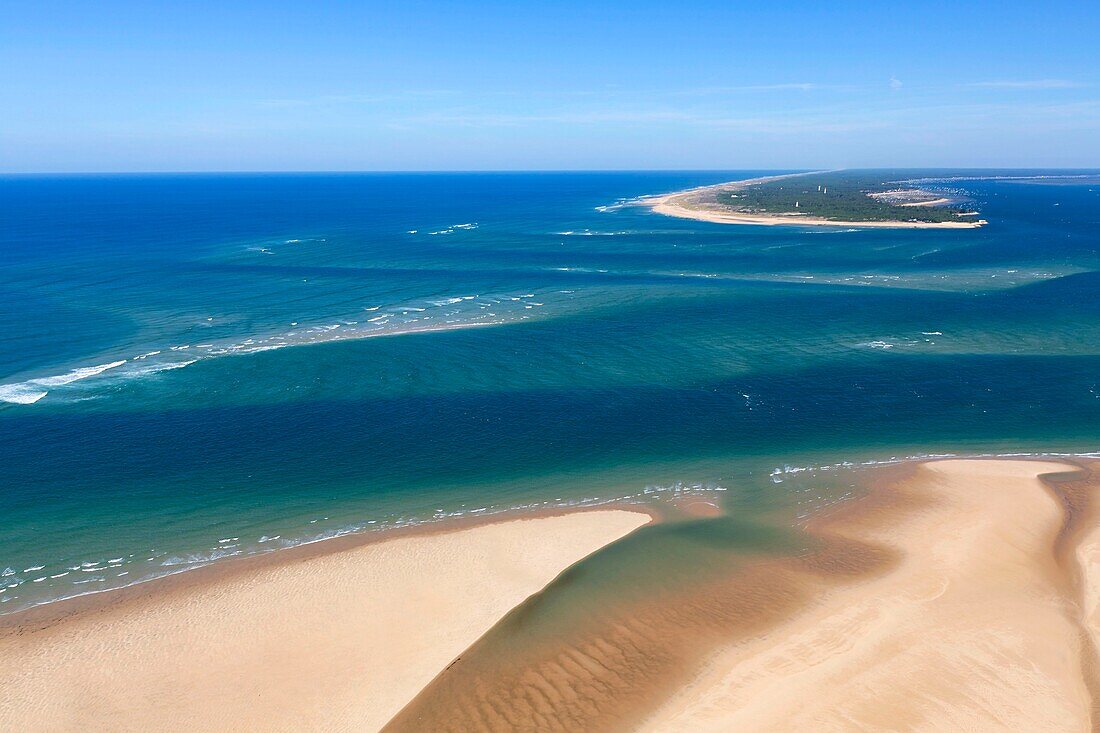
<point x="328" y="641"/>
<point x="979" y="627"/>
<point x="956" y="595"/>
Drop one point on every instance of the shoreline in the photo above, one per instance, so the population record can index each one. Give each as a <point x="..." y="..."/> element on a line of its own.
<point x="656" y="506"/>
<point x="52" y="611"/>
<point x="48" y="611"/>
<point x="645" y="501"/>
<point x="303" y="634"/>
<point x="679" y="205"/>
<point x="434" y="620"/>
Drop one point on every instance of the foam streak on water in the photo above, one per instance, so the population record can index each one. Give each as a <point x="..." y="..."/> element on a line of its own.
<point x="443" y="314"/>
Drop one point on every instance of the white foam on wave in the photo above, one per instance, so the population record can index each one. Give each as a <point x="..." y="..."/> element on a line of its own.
<point x="78" y="374"/>
<point x="270" y="347"/>
<point x="198" y="558"/>
<point x="624" y="203"/>
<point x="451" y="229"/>
<point x="163" y="367"/>
<point x="20" y="394"/>
<point x="414" y="316"/>
<point x="30" y="391"/>
<point x="590" y="233"/>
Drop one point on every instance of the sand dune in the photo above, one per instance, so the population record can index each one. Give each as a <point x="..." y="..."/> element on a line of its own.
<point x="983" y="625"/>
<point x="335" y="641"/>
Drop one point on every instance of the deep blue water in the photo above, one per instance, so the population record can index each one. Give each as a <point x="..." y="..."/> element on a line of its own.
<point x="189" y="364"/>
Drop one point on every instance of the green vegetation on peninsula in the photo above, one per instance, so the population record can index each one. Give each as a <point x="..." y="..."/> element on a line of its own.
<point x="843" y="195"/>
<point x="870" y="197"/>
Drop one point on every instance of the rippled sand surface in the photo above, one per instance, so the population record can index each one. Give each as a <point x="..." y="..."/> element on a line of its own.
<point x="960" y="597"/>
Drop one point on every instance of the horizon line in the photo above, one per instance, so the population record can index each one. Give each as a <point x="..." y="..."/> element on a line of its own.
<point x="438" y="171"/>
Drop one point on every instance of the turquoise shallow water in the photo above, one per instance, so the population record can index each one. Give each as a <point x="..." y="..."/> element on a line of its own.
<point x="196" y="367"/>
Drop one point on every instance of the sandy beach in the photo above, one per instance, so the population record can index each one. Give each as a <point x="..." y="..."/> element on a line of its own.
<point x="931" y="202"/>
<point x="335" y="641"/>
<point x="987" y="622"/>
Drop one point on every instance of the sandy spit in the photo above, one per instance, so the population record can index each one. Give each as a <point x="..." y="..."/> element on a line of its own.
<point x="687" y="205"/>
<point x="335" y="641"/>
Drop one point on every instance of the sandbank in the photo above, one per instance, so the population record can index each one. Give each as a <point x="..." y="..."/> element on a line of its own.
<point x="329" y="641"/>
<point x="987" y="621"/>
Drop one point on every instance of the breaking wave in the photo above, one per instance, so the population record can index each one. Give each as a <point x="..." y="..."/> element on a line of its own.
<point x="439" y="313"/>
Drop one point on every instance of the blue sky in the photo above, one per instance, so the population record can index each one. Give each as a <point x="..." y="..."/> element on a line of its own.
<point x="148" y="86"/>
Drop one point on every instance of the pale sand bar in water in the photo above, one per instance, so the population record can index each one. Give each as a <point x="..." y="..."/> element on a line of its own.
<point x="335" y="641"/>
<point x="986" y="623"/>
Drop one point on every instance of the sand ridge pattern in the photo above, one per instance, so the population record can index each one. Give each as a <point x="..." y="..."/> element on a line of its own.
<point x="965" y="596"/>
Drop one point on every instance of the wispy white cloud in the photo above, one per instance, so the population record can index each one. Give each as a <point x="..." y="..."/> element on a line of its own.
<point x="895" y="83"/>
<point x="1027" y="84"/>
<point x="807" y="121"/>
<point x="353" y="99"/>
<point x="427" y="95"/>
<point x="593" y="117"/>
<point x="787" y="86"/>
<point x="782" y="125"/>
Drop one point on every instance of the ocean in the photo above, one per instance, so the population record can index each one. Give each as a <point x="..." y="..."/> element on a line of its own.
<point x="198" y="367"/>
